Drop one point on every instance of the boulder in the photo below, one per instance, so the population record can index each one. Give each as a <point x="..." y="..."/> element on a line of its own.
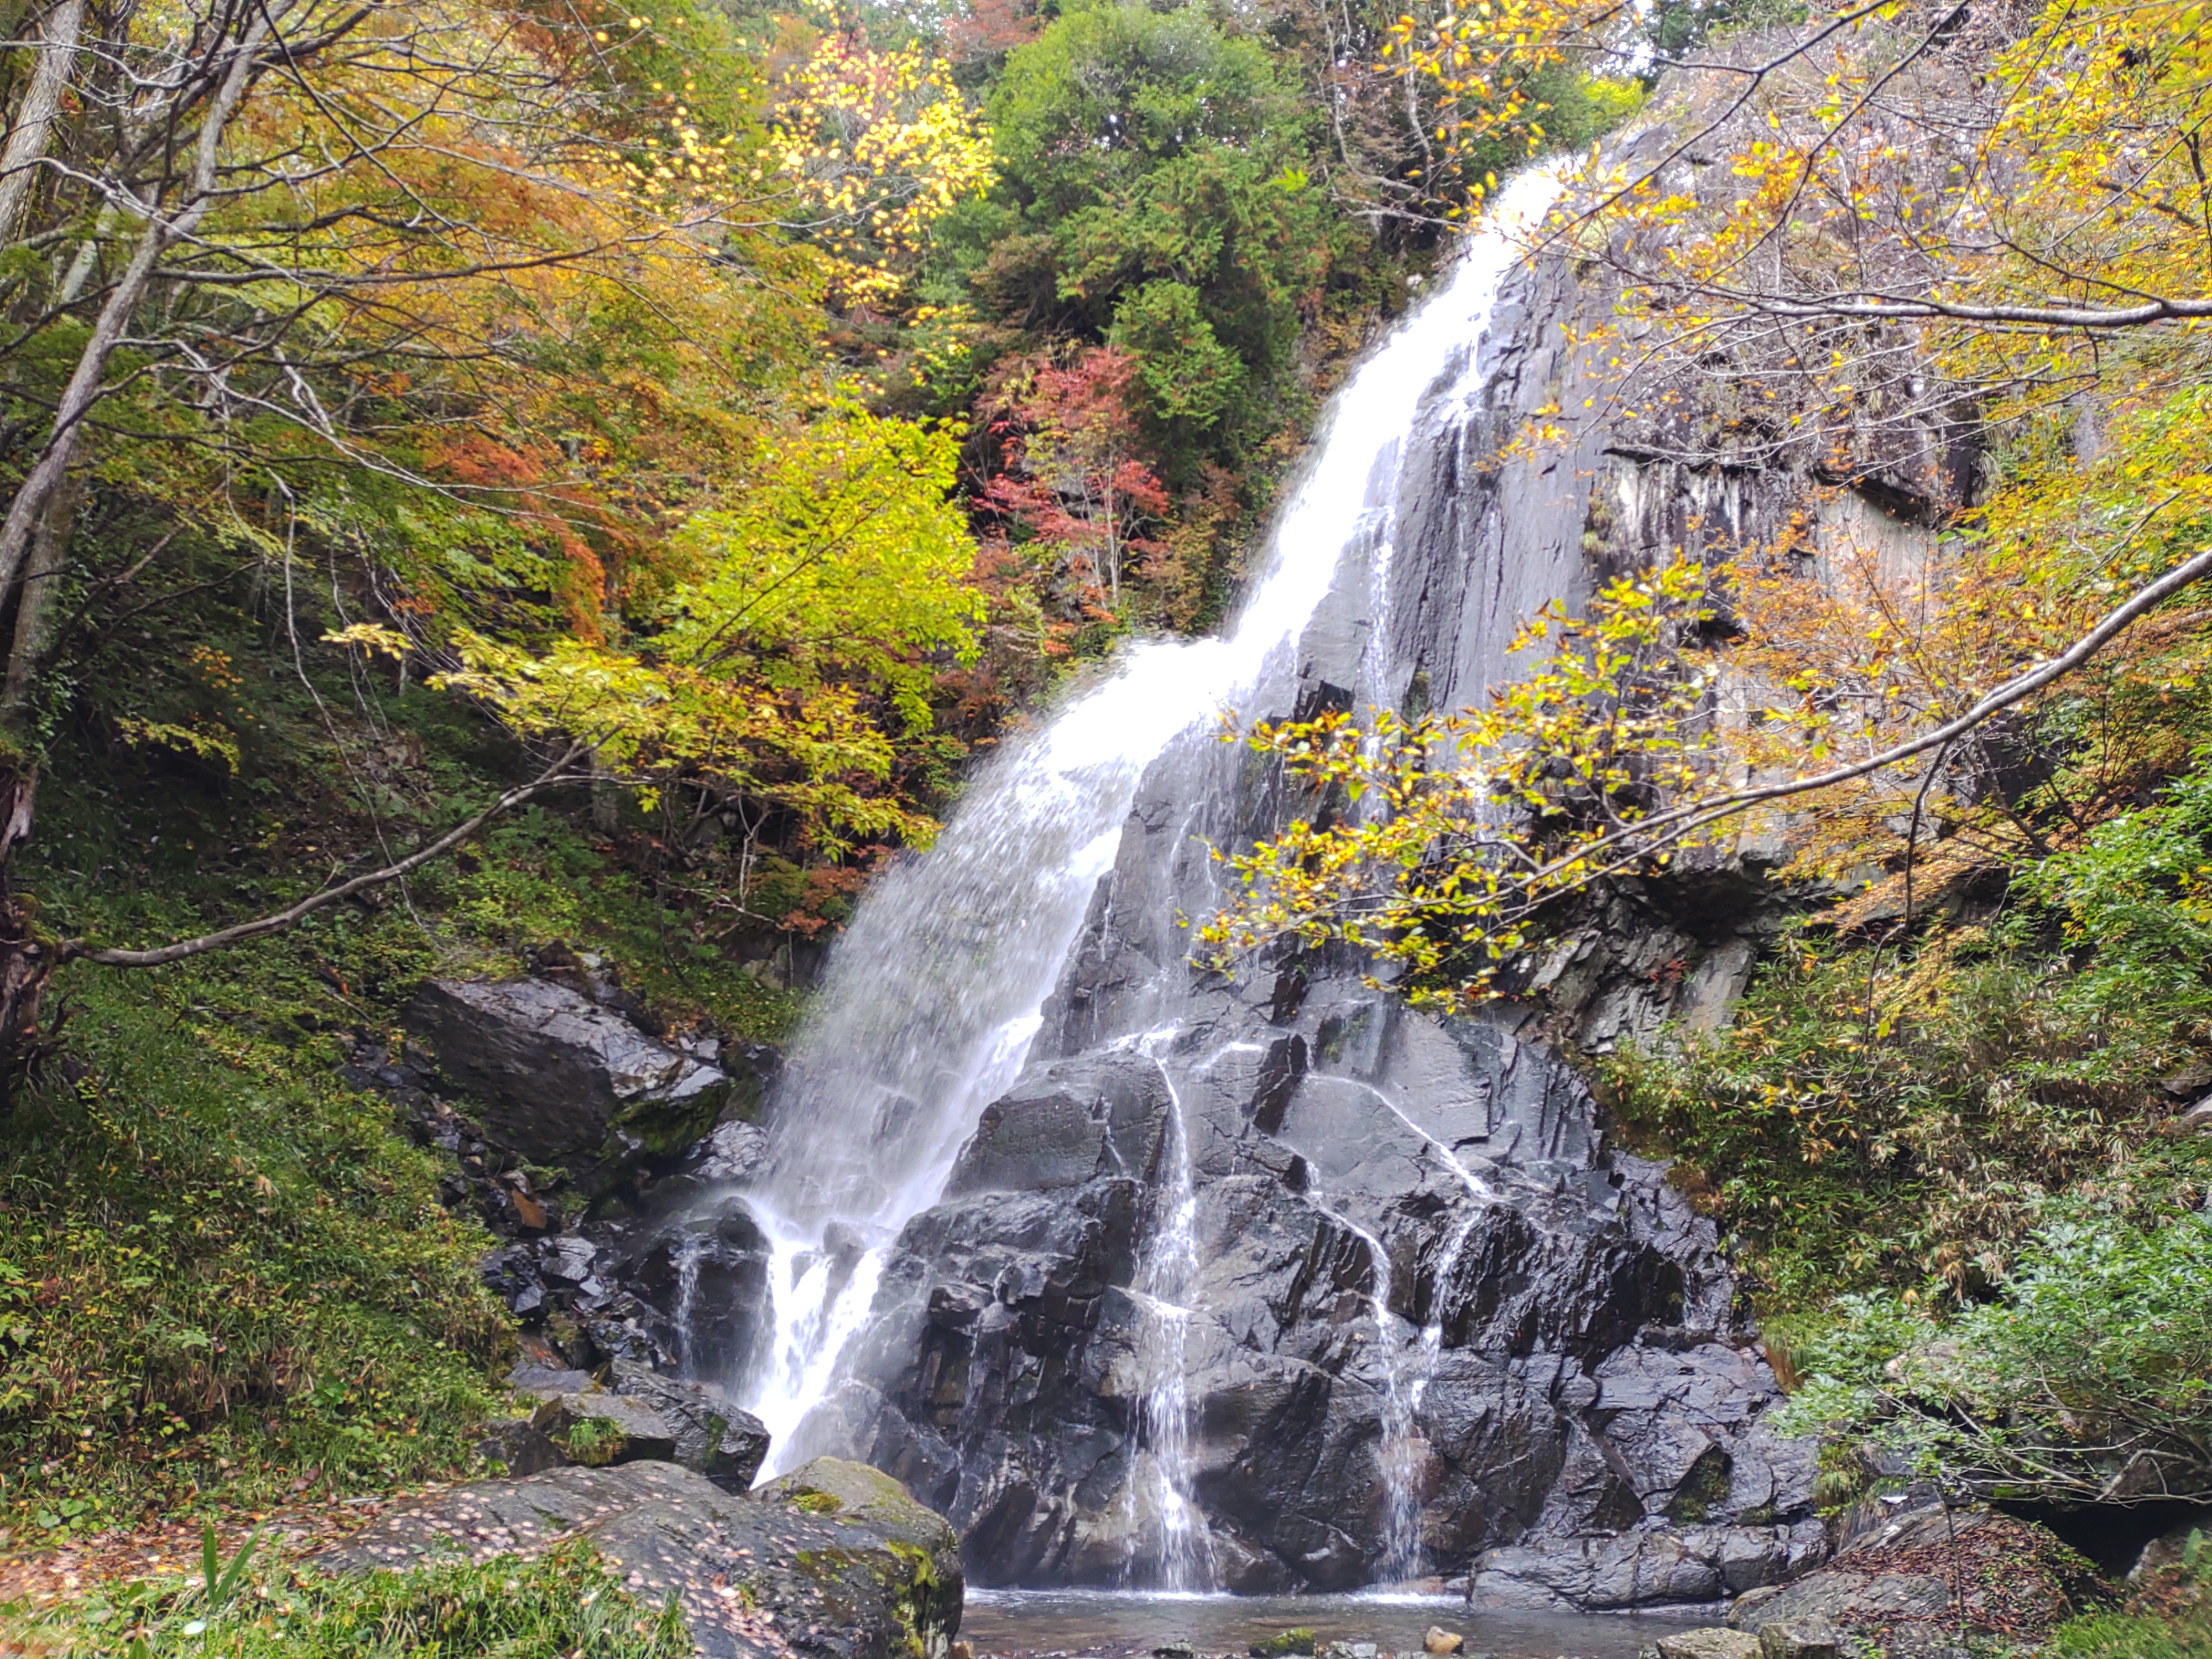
<point x="1715" y="1642"/>
<point x="1648" y="1566"/>
<point x="756" y="1575"/>
<point x="597" y="1425"/>
<point x="1803" y="1638"/>
<point x="518" y="1446"/>
<point x="714" y="1435"/>
<point x="547" y="1382"/>
<point x="1437" y="1640"/>
<point x="1908" y="1584"/>
<point x="558" y="1078"/>
<point x="729" y="1152"/>
<point x="2171" y="1548"/>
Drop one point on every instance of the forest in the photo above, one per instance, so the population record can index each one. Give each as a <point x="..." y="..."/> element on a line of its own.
<point x="540" y="494"/>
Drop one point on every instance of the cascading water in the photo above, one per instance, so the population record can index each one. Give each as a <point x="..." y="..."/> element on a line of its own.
<point x="936" y="992"/>
<point x="1165" y="1275"/>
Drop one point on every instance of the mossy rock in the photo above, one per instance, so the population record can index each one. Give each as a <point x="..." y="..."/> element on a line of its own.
<point x="877" y="1578"/>
<point x="921" y="1572"/>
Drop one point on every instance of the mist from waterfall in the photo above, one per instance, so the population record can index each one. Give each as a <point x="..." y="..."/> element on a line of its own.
<point x="936" y="992"/>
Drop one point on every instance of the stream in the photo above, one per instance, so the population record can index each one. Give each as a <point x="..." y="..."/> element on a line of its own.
<point x="1126" y="1624"/>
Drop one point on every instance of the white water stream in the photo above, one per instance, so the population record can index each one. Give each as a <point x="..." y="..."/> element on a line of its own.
<point x="935" y="993"/>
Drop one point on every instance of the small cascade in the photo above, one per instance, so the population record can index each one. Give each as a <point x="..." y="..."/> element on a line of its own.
<point x="1398" y="1452"/>
<point x="1166" y="1274"/>
<point x="1406" y="1357"/>
<point x="688" y="1254"/>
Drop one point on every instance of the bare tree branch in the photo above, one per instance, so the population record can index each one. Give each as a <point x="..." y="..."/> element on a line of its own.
<point x="78" y="949"/>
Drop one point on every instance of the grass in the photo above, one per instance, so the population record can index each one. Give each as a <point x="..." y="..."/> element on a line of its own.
<point x="221" y="1273"/>
<point x="565" y="1604"/>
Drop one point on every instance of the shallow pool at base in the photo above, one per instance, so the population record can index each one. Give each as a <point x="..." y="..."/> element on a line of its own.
<point x="1009" y="1622"/>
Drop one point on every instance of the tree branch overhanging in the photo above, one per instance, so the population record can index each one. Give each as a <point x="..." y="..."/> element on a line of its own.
<point x="555" y="775"/>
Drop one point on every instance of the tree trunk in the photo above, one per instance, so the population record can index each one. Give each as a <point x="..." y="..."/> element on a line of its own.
<point x="34" y="615"/>
<point x="26" y="136"/>
<point x="26" y="961"/>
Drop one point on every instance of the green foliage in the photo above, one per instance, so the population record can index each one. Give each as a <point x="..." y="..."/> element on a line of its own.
<point x="1187" y="372"/>
<point x="790" y="670"/>
<point x="2137" y="894"/>
<point x="2170" y="1617"/>
<point x="1110" y="92"/>
<point x="1840" y="1148"/>
<point x="227" y="1274"/>
<point x="1964" y="1140"/>
<point x="593" y="1441"/>
<point x="1167" y="161"/>
<point x="565" y="1604"/>
<point x="1870" y="1120"/>
<point x="845" y="560"/>
<point x="2093" y="1359"/>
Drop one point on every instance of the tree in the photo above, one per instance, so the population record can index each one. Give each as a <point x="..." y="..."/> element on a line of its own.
<point x="1075" y="476"/>
<point x="1858" y="283"/>
<point x="1162" y="164"/>
<point x="878" y="146"/>
<point x="488" y="299"/>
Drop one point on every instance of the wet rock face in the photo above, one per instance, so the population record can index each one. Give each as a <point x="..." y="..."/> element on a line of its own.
<point x="585" y="1134"/>
<point x="1553" y="1371"/>
<point x="833" y="1561"/>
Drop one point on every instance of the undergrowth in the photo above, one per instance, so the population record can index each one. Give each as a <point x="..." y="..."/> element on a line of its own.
<point x="565" y="1604"/>
<point x="2168" y="1616"/>
<point x="1872" y="1118"/>
<point x="223" y="1274"/>
<point x="1960" y="1175"/>
<point x="226" y="1278"/>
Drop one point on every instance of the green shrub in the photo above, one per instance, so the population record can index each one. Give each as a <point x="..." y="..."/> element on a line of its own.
<point x="2096" y="1358"/>
<point x="1840" y="1148"/>
<point x="2171" y="1617"/>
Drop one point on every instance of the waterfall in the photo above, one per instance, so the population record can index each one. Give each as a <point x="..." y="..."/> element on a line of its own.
<point x="936" y="992"/>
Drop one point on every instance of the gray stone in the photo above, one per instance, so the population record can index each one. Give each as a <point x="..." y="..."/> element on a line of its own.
<point x="758" y="1577"/>
<point x="1910" y="1581"/>
<point x="518" y="1446"/>
<point x="557" y="1078"/>
<point x="546" y="1382"/>
<point x="1716" y="1642"/>
<point x="731" y="1152"/>
<point x="1802" y="1639"/>
<point x="2171" y="1547"/>
<point x="613" y="1429"/>
<point x="714" y="1434"/>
